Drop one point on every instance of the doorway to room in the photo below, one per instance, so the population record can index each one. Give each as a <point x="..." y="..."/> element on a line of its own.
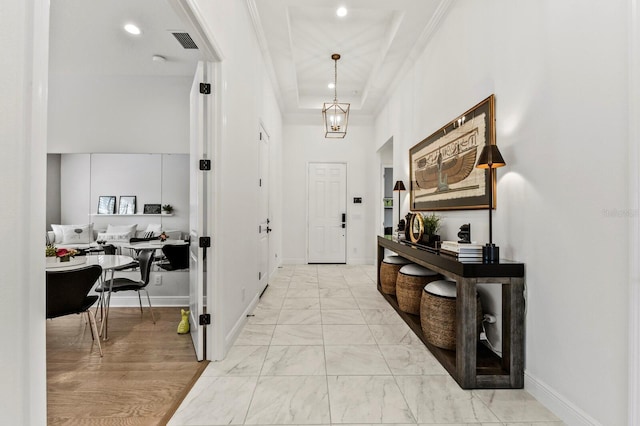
<point x="327" y="213"/>
<point x="123" y="341"/>
<point x="387" y="204"/>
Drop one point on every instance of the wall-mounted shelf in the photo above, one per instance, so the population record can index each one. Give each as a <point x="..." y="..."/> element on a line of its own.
<point x="137" y="214"/>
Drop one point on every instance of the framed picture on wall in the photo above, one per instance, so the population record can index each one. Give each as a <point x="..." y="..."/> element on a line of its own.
<point x="152" y="209"/>
<point x="107" y="204"/>
<point x="127" y="204"/>
<point x="442" y="167"/>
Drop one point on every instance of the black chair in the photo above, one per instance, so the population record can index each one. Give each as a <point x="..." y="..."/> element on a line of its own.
<point x="145" y="257"/>
<point x="67" y="293"/>
<point x="109" y="249"/>
<point x="141" y="240"/>
<point x="177" y="257"/>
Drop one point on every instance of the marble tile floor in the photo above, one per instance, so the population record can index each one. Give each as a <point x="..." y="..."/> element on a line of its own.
<point x="325" y="348"/>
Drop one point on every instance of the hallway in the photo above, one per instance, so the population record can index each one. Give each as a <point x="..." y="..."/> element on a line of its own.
<point x="325" y="348"/>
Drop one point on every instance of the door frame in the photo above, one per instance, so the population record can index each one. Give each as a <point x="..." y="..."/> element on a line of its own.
<point x="633" y="396"/>
<point x="346" y="237"/>
<point x="189" y="12"/>
<point x="381" y="210"/>
<point x="262" y="128"/>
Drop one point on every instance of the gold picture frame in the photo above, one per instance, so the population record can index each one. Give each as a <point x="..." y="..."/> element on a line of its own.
<point x="442" y="170"/>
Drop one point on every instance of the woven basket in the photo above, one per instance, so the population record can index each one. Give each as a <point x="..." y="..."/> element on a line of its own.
<point x="388" y="275"/>
<point x="438" y="319"/>
<point x="409" y="291"/>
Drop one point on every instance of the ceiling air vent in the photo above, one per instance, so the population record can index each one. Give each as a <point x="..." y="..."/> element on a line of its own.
<point x="185" y="40"/>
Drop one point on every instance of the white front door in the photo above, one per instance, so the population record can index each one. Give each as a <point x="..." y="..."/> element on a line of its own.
<point x="199" y="182"/>
<point x="263" y="211"/>
<point x="327" y="206"/>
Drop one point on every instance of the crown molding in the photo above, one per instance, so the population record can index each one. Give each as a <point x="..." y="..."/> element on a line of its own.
<point x="258" y="30"/>
<point x="419" y="46"/>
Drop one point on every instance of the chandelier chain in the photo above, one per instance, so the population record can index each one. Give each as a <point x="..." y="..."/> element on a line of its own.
<point x="335" y="81"/>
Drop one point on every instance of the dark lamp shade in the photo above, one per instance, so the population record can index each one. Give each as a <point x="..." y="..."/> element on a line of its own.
<point x="399" y="186"/>
<point x="490" y="158"/>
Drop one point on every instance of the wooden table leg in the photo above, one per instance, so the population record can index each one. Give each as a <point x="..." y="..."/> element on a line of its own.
<point x="513" y="331"/>
<point x="466" y="332"/>
<point x="380" y="259"/>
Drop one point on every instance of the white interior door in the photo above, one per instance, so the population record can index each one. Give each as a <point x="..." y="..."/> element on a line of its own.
<point x="201" y="105"/>
<point x="263" y="210"/>
<point x="327" y="206"/>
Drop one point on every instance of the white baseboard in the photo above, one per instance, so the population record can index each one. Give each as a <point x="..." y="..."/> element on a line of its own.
<point x="558" y="404"/>
<point x="118" y="301"/>
<point x="360" y="261"/>
<point x="231" y="337"/>
<point x="350" y="261"/>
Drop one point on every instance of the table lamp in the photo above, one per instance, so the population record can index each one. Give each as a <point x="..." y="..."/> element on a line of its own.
<point x="399" y="187"/>
<point x="490" y="158"/>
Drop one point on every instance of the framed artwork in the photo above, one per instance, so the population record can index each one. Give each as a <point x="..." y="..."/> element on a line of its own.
<point x="107" y="204"/>
<point x="152" y="209"/>
<point x="442" y="167"/>
<point x="127" y="204"/>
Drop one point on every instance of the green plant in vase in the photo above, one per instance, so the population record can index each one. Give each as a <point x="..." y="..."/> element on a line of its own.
<point x="50" y="251"/>
<point x="431" y="228"/>
<point x="167" y="209"/>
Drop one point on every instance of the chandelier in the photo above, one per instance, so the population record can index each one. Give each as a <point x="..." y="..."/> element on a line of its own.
<point x="335" y="114"/>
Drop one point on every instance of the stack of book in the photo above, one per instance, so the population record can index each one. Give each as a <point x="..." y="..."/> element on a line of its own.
<point x="463" y="252"/>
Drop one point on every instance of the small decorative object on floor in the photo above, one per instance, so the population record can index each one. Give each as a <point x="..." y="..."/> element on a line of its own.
<point x="183" y="327"/>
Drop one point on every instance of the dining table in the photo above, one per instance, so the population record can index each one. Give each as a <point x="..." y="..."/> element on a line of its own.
<point x="108" y="262"/>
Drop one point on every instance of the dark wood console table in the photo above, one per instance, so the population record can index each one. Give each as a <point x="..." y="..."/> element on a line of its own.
<point x="471" y="364"/>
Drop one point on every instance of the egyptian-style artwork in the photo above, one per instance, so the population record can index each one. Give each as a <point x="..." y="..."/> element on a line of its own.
<point x="442" y="167"/>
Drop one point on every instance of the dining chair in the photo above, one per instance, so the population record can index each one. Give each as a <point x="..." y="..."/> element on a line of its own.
<point x="177" y="257"/>
<point x="145" y="258"/>
<point x="68" y="293"/>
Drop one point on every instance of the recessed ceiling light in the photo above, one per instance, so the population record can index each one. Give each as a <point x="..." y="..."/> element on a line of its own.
<point x="331" y="85"/>
<point x="342" y="11"/>
<point x="132" y="29"/>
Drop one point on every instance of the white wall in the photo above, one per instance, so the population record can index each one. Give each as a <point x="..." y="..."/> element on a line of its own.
<point x="120" y="114"/>
<point x="558" y="70"/>
<point x="306" y="143"/>
<point x="152" y="178"/>
<point x="246" y="100"/>
<point x="272" y="121"/>
<point x="23" y="91"/>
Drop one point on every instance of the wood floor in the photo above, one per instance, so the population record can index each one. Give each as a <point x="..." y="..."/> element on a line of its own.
<point x="142" y="378"/>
